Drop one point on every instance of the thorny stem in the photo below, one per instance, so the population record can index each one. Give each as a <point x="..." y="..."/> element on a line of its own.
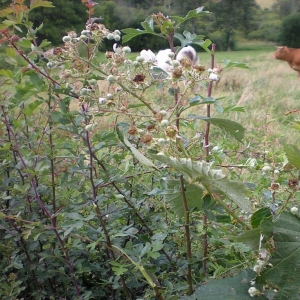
<point x="144" y="223"/>
<point x="52" y="169"/>
<point x="206" y="146"/>
<point x="98" y="212"/>
<point x="187" y="236"/>
<point x="33" y="184"/>
<point x="20" y="52"/>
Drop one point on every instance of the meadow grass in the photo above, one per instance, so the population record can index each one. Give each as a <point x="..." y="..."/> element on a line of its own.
<point x="268" y="91"/>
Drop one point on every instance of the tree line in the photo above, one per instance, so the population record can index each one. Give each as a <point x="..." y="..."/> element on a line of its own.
<point x="228" y="22"/>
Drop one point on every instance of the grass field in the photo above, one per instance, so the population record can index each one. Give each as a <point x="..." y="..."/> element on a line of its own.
<point x="268" y="91"/>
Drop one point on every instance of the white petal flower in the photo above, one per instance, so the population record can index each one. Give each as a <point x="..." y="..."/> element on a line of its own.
<point x="294" y="210"/>
<point x="214" y="77"/>
<point x="148" y="55"/>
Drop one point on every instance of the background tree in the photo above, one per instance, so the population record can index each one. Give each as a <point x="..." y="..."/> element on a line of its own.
<point x="289" y="33"/>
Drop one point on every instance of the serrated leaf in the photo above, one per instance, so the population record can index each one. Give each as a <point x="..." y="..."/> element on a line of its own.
<point x="233" y="128"/>
<point x="211" y="179"/>
<point x="173" y="196"/>
<point x="148" y="26"/>
<point x="230" y="288"/>
<point x="229" y="63"/>
<point x="191" y="14"/>
<point x="293" y="154"/>
<point x="40" y="3"/>
<point x="7" y="73"/>
<point x="285" y="261"/>
<point x="259" y="215"/>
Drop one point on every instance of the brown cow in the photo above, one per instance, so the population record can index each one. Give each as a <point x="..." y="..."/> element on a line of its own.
<point x="290" y="55"/>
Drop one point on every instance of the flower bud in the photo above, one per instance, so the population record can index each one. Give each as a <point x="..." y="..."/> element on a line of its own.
<point x="164" y="122"/>
<point x="84" y="91"/>
<point x="102" y="101"/>
<point x="111" y="78"/>
<point x="83" y="37"/>
<point x="110" y="36"/>
<point x="294" y="210"/>
<point x="66" y="39"/>
<point x="140" y="59"/>
<point x="126" y="49"/>
<point x="117" y="37"/>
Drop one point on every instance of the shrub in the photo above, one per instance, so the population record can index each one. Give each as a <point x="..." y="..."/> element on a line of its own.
<point x="289" y="33"/>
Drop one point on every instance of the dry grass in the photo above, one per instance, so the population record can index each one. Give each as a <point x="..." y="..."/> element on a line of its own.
<point x="265" y="3"/>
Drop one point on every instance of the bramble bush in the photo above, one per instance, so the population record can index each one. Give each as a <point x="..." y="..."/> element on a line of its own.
<point x="121" y="181"/>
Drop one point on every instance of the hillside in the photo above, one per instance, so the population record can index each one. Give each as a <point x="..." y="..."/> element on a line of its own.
<point x="265" y="3"/>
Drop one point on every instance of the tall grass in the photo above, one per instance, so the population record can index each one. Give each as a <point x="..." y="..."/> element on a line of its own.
<point x="268" y="91"/>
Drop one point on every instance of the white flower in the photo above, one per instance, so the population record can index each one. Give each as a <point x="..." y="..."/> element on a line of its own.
<point x="102" y="101"/>
<point x="294" y="210"/>
<point x="253" y="291"/>
<point x="148" y="55"/>
<point x="266" y="169"/>
<point x="118" y="32"/>
<point x="109" y="96"/>
<point x="214" y="77"/>
<point x="89" y="127"/>
<point x="161" y="141"/>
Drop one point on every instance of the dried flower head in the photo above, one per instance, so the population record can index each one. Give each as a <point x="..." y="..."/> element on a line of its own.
<point x="199" y="69"/>
<point x="177" y="72"/>
<point x="171" y="131"/>
<point x="139" y="78"/>
<point x="294" y="184"/>
<point x="132" y="130"/>
<point x="146" y="138"/>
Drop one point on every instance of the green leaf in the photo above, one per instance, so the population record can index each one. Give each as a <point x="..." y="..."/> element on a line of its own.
<point x="7" y="73"/>
<point x="293" y="155"/>
<point x="250" y="238"/>
<point x="76" y="216"/>
<point x="118" y="268"/>
<point x="259" y="215"/>
<point x="44" y="43"/>
<point x="285" y="271"/>
<point x="40" y="3"/>
<point x="211" y="179"/>
<point x="191" y="14"/>
<point x="137" y="154"/>
<point x="230" y="288"/>
<point x="29" y="109"/>
<point x="230" y="64"/>
<point x="148" y="26"/>
<point x="233" y="128"/>
<point x="190" y="38"/>
<point x="173" y="196"/>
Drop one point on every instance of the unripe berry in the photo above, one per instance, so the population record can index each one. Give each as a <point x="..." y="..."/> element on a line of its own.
<point x="66" y="39"/>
